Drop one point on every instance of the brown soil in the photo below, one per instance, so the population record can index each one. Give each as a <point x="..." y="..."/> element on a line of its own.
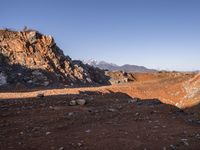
<point x="109" y="120"/>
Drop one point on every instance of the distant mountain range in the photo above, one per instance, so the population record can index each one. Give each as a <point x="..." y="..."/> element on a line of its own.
<point x="113" y="67"/>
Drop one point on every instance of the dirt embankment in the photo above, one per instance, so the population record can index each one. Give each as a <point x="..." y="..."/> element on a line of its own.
<point x="167" y="87"/>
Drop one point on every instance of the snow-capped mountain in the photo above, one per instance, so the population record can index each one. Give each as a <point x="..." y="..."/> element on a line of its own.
<point x="113" y="67"/>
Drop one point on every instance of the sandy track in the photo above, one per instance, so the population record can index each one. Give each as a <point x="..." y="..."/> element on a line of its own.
<point x="167" y="88"/>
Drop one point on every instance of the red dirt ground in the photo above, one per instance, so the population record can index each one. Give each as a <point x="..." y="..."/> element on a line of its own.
<point x="109" y="120"/>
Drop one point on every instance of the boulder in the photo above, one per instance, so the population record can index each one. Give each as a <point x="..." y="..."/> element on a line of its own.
<point x="81" y="101"/>
<point x="72" y="103"/>
<point x="3" y="79"/>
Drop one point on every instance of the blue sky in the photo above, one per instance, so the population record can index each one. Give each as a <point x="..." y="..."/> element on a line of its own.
<point x="161" y="34"/>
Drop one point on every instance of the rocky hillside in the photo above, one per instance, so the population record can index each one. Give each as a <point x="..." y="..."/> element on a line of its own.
<point x="32" y="59"/>
<point x="113" y="67"/>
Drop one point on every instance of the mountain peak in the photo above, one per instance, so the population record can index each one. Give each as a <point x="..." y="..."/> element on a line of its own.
<point x="113" y="67"/>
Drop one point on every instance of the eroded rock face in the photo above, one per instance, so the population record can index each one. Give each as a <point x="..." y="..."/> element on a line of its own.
<point x="192" y="86"/>
<point x="35" y="59"/>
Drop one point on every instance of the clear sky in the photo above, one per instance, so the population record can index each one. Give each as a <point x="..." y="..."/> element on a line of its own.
<point x="162" y="34"/>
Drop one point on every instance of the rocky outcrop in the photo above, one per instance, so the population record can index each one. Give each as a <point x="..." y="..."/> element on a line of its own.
<point x="117" y="77"/>
<point x="192" y="86"/>
<point x="33" y="59"/>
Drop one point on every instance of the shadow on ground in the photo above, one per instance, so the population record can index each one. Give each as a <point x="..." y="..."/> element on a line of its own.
<point x="107" y="121"/>
<point x="22" y="79"/>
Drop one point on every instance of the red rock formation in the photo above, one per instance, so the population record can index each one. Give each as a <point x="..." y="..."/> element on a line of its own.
<point x="34" y="51"/>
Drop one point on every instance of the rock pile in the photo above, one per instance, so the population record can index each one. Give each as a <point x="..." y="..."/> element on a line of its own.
<point x="33" y="59"/>
<point x="117" y="77"/>
<point x="77" y="102"/>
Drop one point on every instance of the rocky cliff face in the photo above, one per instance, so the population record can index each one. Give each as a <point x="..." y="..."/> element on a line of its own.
<point x="33" y="59"/>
